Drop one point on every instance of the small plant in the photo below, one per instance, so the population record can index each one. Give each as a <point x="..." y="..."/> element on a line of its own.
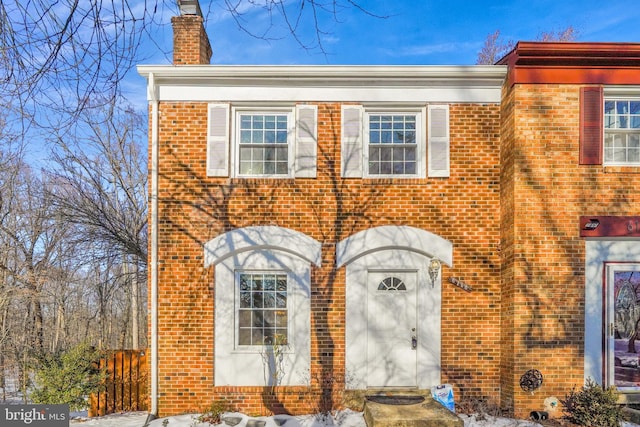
<point x="212" y="414"/>
<point x="68" y="377"/>
<point x="593" y="405"/>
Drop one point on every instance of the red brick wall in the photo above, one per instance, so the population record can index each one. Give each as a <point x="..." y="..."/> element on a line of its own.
<point x="543" y="257"/>
<point x="193" y="209"/>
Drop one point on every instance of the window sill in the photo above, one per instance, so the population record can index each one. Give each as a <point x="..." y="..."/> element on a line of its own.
<point x="394" y="181"/>
<point x="261" y="181"/>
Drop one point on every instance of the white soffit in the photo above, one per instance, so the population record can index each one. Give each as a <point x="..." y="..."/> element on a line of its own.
<point x="327" y="83"/>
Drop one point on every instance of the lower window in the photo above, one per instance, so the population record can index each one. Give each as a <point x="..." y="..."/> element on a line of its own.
<point x="262" y="310"/>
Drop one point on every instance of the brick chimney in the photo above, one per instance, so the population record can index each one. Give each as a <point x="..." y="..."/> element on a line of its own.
<point x="190" y="40"/>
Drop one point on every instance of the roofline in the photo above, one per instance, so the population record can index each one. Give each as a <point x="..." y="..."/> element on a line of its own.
<point x="573" y="63"/>
<point x="565" y="53"/>
<point x="325" y="72"/>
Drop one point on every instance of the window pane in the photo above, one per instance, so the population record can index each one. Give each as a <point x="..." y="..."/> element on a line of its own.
<point x="386" y="154"/>
<point x="385" y="168"/>
<point x="281" y="137"/>
<point x="282" y="336"/>
<point x="374" y="137"/>
<point x="257" y="337"/>
<point x="270" y="283"/>
<point x="281" y="299"/>
<point x="281" y="318"/>
<point x="282" y="168"/>
<point x="269" y="122"/>
<point x="634" y="148"/>
<point x="256" y="299"/>
<point x="245" y="299"/>
<point x="410" y="154"/>
<point x="270" y="137"/>
<point x="269" y="319"/>
<point x="244" y="337"/>
<point x="410" y="168"/>
<point x="623" y="122"/>
<point x="609" y="107"/>
<point x="258" y="319"/>
<point x="244" y="318"/>
<point x="269" y="300"/>
<point x="245" y="137"/>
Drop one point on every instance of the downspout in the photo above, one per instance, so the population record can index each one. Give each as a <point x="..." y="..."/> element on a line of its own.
<point x="152" y="95"/>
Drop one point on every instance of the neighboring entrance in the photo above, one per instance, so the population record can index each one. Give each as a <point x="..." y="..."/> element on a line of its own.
<point x="391" y="335"/>
<point x="622" y="317"/>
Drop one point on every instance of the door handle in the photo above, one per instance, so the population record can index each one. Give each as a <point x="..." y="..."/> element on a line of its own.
<point x="414" y="339"/>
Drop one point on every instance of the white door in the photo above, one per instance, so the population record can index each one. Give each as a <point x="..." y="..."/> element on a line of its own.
<point x="622" y="326"/>
<point x="391" y="332"/>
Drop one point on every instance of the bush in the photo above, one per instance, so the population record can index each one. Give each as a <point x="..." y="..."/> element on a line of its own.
<point x="212" y="414"/>
<point x="68" y="377"/>
<point x="593" y="405"/>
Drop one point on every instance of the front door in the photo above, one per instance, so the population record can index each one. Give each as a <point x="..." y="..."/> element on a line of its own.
<point x="622" y="325"/>
<point x="391" y="332"/>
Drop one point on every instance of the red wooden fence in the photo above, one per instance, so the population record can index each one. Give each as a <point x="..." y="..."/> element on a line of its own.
<point x="125" y="387"/>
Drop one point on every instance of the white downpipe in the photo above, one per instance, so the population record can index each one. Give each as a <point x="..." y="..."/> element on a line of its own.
<point x="152" y="95"/>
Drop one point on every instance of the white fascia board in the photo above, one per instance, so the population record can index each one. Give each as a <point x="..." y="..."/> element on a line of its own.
<point x="328" y="83"/>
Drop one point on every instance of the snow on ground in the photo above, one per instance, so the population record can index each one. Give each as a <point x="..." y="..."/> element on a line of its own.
<point x="342" y="419"/>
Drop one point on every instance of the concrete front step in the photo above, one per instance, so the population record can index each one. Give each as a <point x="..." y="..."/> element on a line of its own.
<point x="426" y="414"/>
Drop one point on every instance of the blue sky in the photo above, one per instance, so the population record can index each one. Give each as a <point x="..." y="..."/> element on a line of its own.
<point x="421" y="32"/>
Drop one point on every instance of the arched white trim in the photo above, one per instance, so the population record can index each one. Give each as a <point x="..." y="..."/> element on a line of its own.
<point x="262" y="237"/>
<point x="394" y="237"/>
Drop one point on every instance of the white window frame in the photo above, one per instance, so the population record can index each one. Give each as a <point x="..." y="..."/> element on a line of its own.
<point x="421" y="143"/>
<point x="614" y="131"/>
<point x="237" y="112"/>
<point x="290" y="308"/>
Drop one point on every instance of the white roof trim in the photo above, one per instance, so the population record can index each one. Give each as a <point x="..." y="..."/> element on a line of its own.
<point x="359" y="83"/>
<point x="394" y="237"/>
<point x="262" y="237"/>
<point x="327" y="72"/>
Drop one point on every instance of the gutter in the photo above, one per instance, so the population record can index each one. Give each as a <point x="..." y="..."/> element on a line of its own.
<point x="152" y="95"/>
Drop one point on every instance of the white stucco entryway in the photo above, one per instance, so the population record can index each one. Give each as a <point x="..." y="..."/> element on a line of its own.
<point x="392" y="307"/>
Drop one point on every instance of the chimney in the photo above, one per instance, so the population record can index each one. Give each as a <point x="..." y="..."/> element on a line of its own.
<point x="190" y="42"/>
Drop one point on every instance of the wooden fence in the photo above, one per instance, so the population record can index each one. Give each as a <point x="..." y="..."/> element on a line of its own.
<point x="125" y="387"/>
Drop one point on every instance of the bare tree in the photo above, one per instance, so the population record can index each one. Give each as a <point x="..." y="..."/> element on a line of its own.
<point x="101" y="188"/>
<point x="56" y="56"/>
<point x="294" y="19"/>
<point x="495" y="47"/>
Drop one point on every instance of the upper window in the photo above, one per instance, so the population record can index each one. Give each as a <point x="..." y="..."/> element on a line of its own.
<point x="263" y="143"/>
<point x="622" y="132"/>
<point x="392" y="148"/>
<point x="396" y="142"/>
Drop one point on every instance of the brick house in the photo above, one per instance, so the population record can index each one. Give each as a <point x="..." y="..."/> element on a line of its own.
<point x="320" y="231"/>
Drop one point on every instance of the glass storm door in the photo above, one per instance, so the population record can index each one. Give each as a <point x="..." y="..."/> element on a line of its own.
<point x="622" y="343"/>
<point x="391" y="332"/>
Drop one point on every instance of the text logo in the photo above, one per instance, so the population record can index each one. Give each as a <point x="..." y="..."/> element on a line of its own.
<point x="34" y="415"/>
